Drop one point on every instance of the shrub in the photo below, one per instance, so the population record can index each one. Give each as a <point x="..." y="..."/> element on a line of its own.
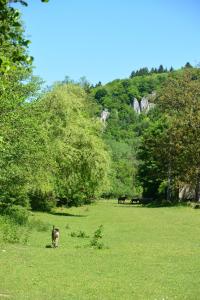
<point x="42" y="201"/>
<point x="98" y="234"/>
<point x="17" y="214"/>
<point x="94" y="242"/>
<point x="8" y="199"/>
<point x="11" y="232"/>
<point x="166" y="203"/>
<point x="79" y="234"/>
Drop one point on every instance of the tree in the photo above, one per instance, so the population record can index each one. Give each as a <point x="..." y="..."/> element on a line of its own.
<point x="81" y="160"/>
<point x="180" y="100"/>
<point x="161" y="69"/>
<point x="13" y="44"/>
<point x="154" y="158"/>
<point x="188" y="65"/>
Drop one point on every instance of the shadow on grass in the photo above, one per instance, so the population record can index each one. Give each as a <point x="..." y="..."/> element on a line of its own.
<point x="66" y="214"/>
<point x="150" y="205"/>
<point x="127" y="205"/>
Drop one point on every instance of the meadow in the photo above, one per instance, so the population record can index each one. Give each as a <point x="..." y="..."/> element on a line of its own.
<point x="146" y="253"/>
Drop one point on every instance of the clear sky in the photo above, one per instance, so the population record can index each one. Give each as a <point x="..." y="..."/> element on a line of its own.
<point x="108" y="39"/>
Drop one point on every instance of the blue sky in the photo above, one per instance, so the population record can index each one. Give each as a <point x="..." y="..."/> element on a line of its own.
<point x="108" y="39"/>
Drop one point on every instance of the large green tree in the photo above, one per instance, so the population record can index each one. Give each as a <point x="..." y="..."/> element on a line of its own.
<point x="180" y="100"/>
<point x="76" y="147"/>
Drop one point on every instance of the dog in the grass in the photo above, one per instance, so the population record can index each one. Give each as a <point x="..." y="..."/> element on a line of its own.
<point x="55" y="234"/>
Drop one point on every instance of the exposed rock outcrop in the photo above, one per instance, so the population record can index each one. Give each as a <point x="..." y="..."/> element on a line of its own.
<point x="144" y="105"/>
<point x="104" y="115"/>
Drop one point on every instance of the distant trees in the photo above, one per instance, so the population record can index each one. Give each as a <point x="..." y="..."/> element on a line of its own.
<point x="188" y="65"/>
<point x="146" y="71"/>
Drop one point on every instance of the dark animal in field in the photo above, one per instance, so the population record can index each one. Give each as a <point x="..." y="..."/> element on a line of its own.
<point x="122" y="199"/>
<point x="55" y="234"/>
<point x="135" y="200"/>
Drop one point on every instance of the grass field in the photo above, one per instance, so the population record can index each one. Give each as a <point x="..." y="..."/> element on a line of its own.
<point x="149" y="253"/>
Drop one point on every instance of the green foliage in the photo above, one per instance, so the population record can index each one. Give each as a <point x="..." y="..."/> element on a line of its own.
<point x="82" y="161"/>
<point x="42" y="200"/>
<point x="124" y="128"/>
<point x="13" y="51"/>
<point x="169" y="146"/>
<point x="17" y="214"/>
<point x="79" y="234"/>
<point x="12" y="232"/>
<point x="95" y="240"/>
<point x="98" y="234"/>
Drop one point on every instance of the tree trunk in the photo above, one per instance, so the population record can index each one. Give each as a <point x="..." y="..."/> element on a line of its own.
<point x="197" y="189"/>
<point x="169" y="185"/>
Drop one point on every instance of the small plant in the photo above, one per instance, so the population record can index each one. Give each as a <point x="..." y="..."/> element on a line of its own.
<point x="73" y="234"/>
<point x="98" y="234"/>
<point x="82" y="234"/>
<point x="79" y="234"/>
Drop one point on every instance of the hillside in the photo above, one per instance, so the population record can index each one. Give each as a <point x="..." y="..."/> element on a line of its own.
<point x="127" y="109"/>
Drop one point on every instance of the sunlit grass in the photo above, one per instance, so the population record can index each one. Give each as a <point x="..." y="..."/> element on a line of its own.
<point x="148" y="253"/>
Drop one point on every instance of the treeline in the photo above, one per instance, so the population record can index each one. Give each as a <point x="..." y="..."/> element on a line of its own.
<point x="145" y="71"/>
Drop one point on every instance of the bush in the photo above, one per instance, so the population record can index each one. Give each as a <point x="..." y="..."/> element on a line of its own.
<point x="11" y="232"/>
<point x="79" y="234"/>
<point x="42" y="201"/>
<point x="94" y="242"/>
<point x="17" y="214"/>
<point x="8" y="199"/>
<point x="166" y="203"/>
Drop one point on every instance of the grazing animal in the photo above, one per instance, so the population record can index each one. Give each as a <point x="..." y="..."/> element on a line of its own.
<point x="122" y="199"/>
<point x="55" y="234"/>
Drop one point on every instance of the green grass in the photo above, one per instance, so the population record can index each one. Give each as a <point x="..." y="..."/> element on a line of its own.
<point x="149" y="253"/>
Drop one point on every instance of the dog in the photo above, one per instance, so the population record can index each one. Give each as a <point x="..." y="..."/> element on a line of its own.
<point x="55" y="234"/>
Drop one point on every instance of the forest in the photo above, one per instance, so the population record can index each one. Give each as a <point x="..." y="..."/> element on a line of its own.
<point x="74" y="142"/>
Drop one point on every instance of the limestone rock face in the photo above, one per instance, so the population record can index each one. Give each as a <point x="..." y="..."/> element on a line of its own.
<point x="136" y="106"/>
<point x="104" y="115"/>
<point x="144" y="105"/>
